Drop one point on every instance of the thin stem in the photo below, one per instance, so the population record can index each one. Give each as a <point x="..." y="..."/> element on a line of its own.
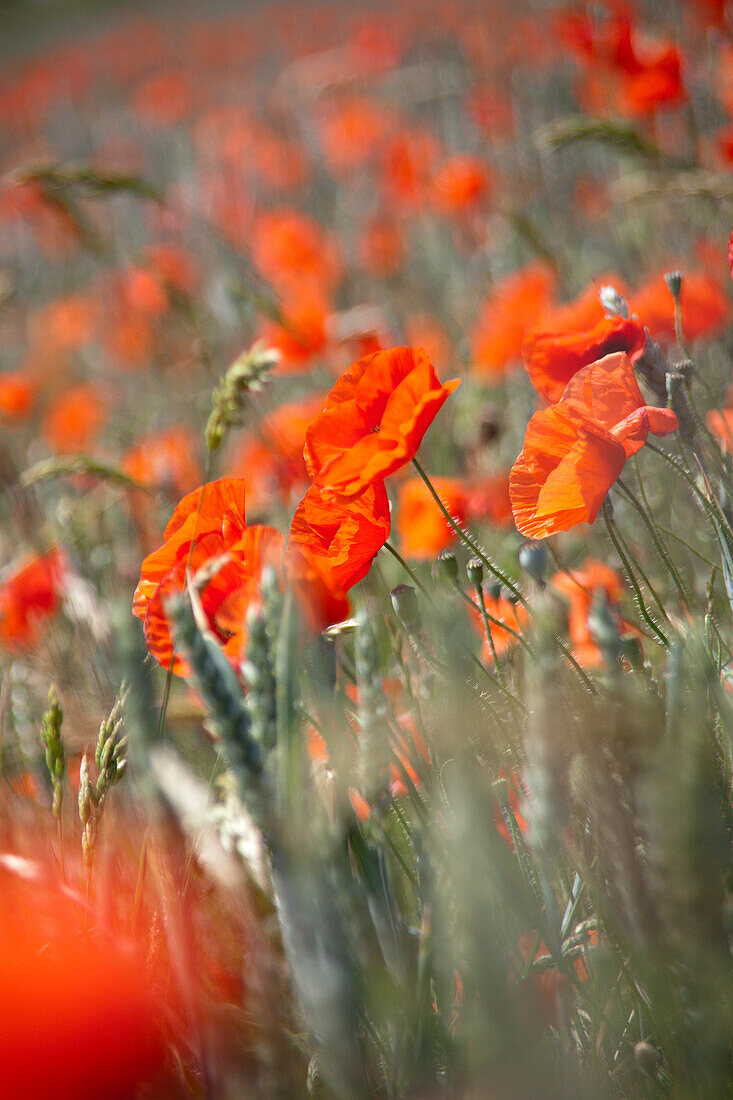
<point x="646" y="517"/>
<point x="468" y="539"/>
<point x="487" y="627"/>
<point x="408" y="569"/>
<point x="580" y="671"/>
<point x="688" y="546"/>
<point x="718" y="522"/>
<point x="638" y="597"/>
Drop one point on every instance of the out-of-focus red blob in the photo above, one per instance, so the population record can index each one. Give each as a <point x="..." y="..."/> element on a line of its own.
<point x="78" y="1019"/>
<point x="705" y="308"/>
<point x="74" y="419"/>
<point x="17" y="397"/>
<point x="30" y="593"/>
<point x="516" y="305"/>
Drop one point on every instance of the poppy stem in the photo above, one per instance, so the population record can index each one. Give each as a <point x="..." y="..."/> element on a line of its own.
<point x="497" y="622"/>
<point x="487" y="627"/>
<point x="648" y="522"/>
<point x="638" y="597"/>
<point x="408" y="569"/>
<point x="468" y="539"/>
<point x="718" y="521"/>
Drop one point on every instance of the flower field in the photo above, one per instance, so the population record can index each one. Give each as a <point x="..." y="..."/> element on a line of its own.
<point x="366" y="550"/>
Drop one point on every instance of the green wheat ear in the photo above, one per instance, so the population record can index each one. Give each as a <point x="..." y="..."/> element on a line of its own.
<point x="246" y="375"/>
<point x="55" y="753"/>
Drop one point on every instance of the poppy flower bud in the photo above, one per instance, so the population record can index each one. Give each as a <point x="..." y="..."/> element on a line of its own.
<point x="613" y="302"/>
<point x="404" y="601"/>
<point x="674" y="381"/>
<point x="448" y="565"/>
<point x="475" y="571"/>
<point x="495" y="590"/>
<point x="647" y="1058"/>
<point x="533" y="559"/>
<point x="673" y="279"/>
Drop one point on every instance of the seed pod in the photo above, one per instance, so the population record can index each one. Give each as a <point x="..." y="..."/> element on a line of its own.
<point x="448" y="565"/>
<point x="404" y="601"/>
<point x="475" y="571"/>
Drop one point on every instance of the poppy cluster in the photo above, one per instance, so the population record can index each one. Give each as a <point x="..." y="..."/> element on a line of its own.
<point x="372" y="422"/>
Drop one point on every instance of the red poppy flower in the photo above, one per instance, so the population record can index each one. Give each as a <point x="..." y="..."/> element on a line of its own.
<point x="507" y="316"/>
<point x="579" y="586"/>
<point x="374" y="419"/>
<point x="511" y="619"/>
<point x="382" y="247"/>
<point x="489" y="502"/>
<point x="294" y="252"/>
<point x="422" y="528"/>
<point x="705" y="308"/>
<point x="584" y="310"/>
<point x="350" y="134"/>
<point x="574" y="451"/>
<point x="342" y="535"/>
<point x="17" y="396"/>
<point x="74" y="419"/>
<point x="552" y="358"/>
<point x="216" y="524"/>
<point x="273" y="457"/>
<point x="720" y="423"/>
<point x="300" y="337"/>
<point x="55" y="980"/>
<point x="164" y="460"/>
<point x="29" y="594"/>
<point x="461" y="184"/>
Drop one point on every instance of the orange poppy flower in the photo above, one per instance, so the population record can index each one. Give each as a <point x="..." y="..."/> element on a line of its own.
<point x="300" y="337"/>
<point x="425" y="331"/>
<point x="460" y="184"/>
<point x="29" y="594"/>
<point x="374" y="419"/>
<point x="350" y="134"/>
<point x="574" y="450"/>
<point x="74" y="419"/>
<point x="488" y="501"/>
<point x="655" y="82"/>
<point x="408" y="165"/>
<point x="217" y="524"/>
<point x="173" y="266"/>
<point x="552" y="358"/>
<point x="584" y="311"/>
<point x="17" y="396"/>
<point x="506" y="318"/>
<point x="164" y="460"/>
<point x="423" y="530"/>
<point x="705" y="308"/>
<point x="579" y="586"/>
<point x="382" y="247"/>
<point x="720" y="423"/>
<point x="142" y="293"/>
<point x="165" y="98"/>
<point x="294" y="252"/>
<point x="55" y="980"/>
<point x="513" y="616"/>
<point x="342" y="535"/>
<point x="273" y="457"/>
